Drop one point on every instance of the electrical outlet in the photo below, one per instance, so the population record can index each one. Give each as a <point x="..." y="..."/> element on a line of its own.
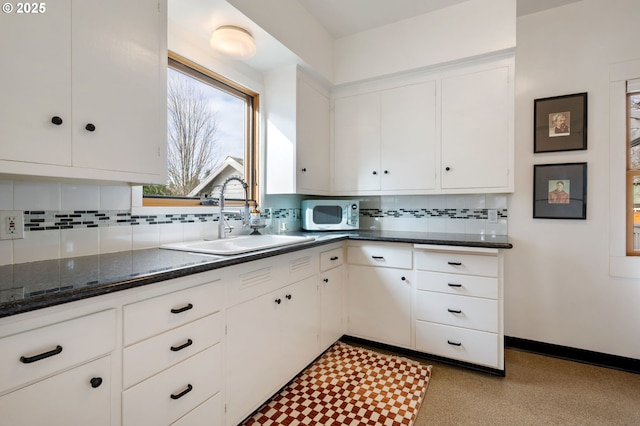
<point x="492" y="216"/>
<point x="11" y="225"/>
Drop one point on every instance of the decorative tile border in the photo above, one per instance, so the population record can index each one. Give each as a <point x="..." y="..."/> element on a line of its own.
<point x="51" y="220"/>
<point x="432" y="213"/>
<point x="40" y="220"/>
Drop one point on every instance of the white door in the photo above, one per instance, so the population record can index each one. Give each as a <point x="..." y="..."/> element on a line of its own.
<point x="313" y="140"/>
<point x="332" y="307"/>
<point x="299" y="325"/>
<point x="476" y="130"/>
<point x="80" y="396"/>
<point x="35" y="84"/>
<point x="408" y="137"/>
<point x="380" y="304"/>
<point x="119" y="85"/>
<point x="253" y="354"/>
<point x="356" y="150"/>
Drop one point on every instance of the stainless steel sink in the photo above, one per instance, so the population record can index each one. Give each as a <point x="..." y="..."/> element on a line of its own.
<point x="237" y="245"/>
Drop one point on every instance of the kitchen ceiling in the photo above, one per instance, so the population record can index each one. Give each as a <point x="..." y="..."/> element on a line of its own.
<point x="346" y="17"/>
<point x="339" y="17"/>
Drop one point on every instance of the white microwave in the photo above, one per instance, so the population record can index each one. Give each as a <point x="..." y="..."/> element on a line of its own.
<point x="330" y="215"/>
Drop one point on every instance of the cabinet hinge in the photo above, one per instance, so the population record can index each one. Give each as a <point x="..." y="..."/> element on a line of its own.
<point x="225" y="330"/>
<point x="225" y="408"/>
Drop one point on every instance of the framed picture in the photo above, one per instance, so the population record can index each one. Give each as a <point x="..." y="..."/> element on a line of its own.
<point x="560" y="123"/>
<point x="560" y="191"/>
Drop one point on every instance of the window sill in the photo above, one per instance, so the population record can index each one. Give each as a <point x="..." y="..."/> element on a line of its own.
<point x="624" y="266"/>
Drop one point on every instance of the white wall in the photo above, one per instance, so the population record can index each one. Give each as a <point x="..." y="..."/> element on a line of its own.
<point x="558" y="288"/>
<point x="469" y="29"/>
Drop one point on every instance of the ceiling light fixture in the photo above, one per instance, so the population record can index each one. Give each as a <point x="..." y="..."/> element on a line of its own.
<point x="234" y="42"/>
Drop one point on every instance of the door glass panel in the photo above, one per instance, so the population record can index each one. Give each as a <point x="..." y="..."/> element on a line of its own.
<point x="327" y="215"/>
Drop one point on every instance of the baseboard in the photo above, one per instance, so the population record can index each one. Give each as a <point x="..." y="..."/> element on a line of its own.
<point x="630" y="365"/>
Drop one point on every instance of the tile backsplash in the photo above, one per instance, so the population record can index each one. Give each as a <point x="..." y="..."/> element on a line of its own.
<point x="68" y="220"/>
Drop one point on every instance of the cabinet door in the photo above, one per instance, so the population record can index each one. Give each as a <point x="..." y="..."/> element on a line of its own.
<point x="380" y="304"/>
<point x="477" y="127"/>
<point x="313" y="139"/>
<point x="35" y="83"/>
<point x="80" y="396"/>
<point x="356" y="149"/>
<point x="119" y="85"/>
<point x="253" y="355"/>
<point x="331" y="307"/>
<point x="408" y="137"/>
<point x="299" y="326"/>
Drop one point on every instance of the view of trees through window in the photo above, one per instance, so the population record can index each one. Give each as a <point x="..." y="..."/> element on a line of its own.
<point x="633" y="174"/>
<point x="206" y="125"/>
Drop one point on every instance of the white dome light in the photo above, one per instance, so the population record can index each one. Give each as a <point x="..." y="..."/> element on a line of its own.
<point x="234" y="42"/>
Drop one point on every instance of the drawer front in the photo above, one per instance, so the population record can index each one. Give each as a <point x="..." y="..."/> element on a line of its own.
<point x="67" y="398"/>
<point x="476" y="347"/>
<point x="27" y="356"/>
<point x="159" y="314"/>
<point x="209" y="413"/>
<point x="465" y="285"/>
<point x="457" y="263"/>
<point x="459" y="311"/>
<point x="167" y="396"/>
<point x="390" y="256"/>
<point x="331" y="259"/>
<point x="150" y="356"/>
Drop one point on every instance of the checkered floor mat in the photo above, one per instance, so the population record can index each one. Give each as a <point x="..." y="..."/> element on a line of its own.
<point x="350" y="386"/>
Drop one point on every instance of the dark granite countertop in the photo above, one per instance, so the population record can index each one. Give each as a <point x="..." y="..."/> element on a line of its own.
<point x="29" y="286"/>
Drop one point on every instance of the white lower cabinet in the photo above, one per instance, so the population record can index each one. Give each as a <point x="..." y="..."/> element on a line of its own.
<point x="332" y="297"/>
<point x="459" y="304"/>
<point x="270" y="337"/>
<point x="379" y="297"/>
<point x="80" y="396"/>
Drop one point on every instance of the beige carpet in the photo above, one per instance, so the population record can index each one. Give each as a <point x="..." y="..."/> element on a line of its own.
<point x="350" y="386"/>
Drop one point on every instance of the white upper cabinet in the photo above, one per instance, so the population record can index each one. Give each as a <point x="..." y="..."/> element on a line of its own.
<point x="477" y="130"/>
<point x="408" y="137"/>
<point x="84" y="91"/>
<point x="298" y="133"/>
<point x="385" y="140"/>
<point x="449" y="131"/>
<point x="357" y="143"/>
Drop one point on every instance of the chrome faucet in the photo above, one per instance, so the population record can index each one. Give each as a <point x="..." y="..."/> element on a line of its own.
<point x="245" y="214"/>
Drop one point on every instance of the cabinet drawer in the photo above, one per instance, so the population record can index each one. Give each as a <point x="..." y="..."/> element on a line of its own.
<point x="331" y="259"/>
<point x="68" y="398"/>
<point x="460" y="311"/>
<point x="457" y="263"/>
<point x="210" y="412"/>
<point x="33" y="354"/>
<point x="462" y="344"/>
<point x="466" y="285"/>
<point x="158" y="314"/>
<point x="165" y="397"/>
<point x="150" y="356"/>
<point x="387" y="255"/>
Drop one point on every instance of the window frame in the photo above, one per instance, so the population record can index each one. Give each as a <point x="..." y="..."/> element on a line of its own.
<point x="251" y="149"/>
<point x="630" y="175"/>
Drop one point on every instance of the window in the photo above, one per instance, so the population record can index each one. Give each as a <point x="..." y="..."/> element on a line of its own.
<point x="211" y="135"/>
<point x="633" y="168"/>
